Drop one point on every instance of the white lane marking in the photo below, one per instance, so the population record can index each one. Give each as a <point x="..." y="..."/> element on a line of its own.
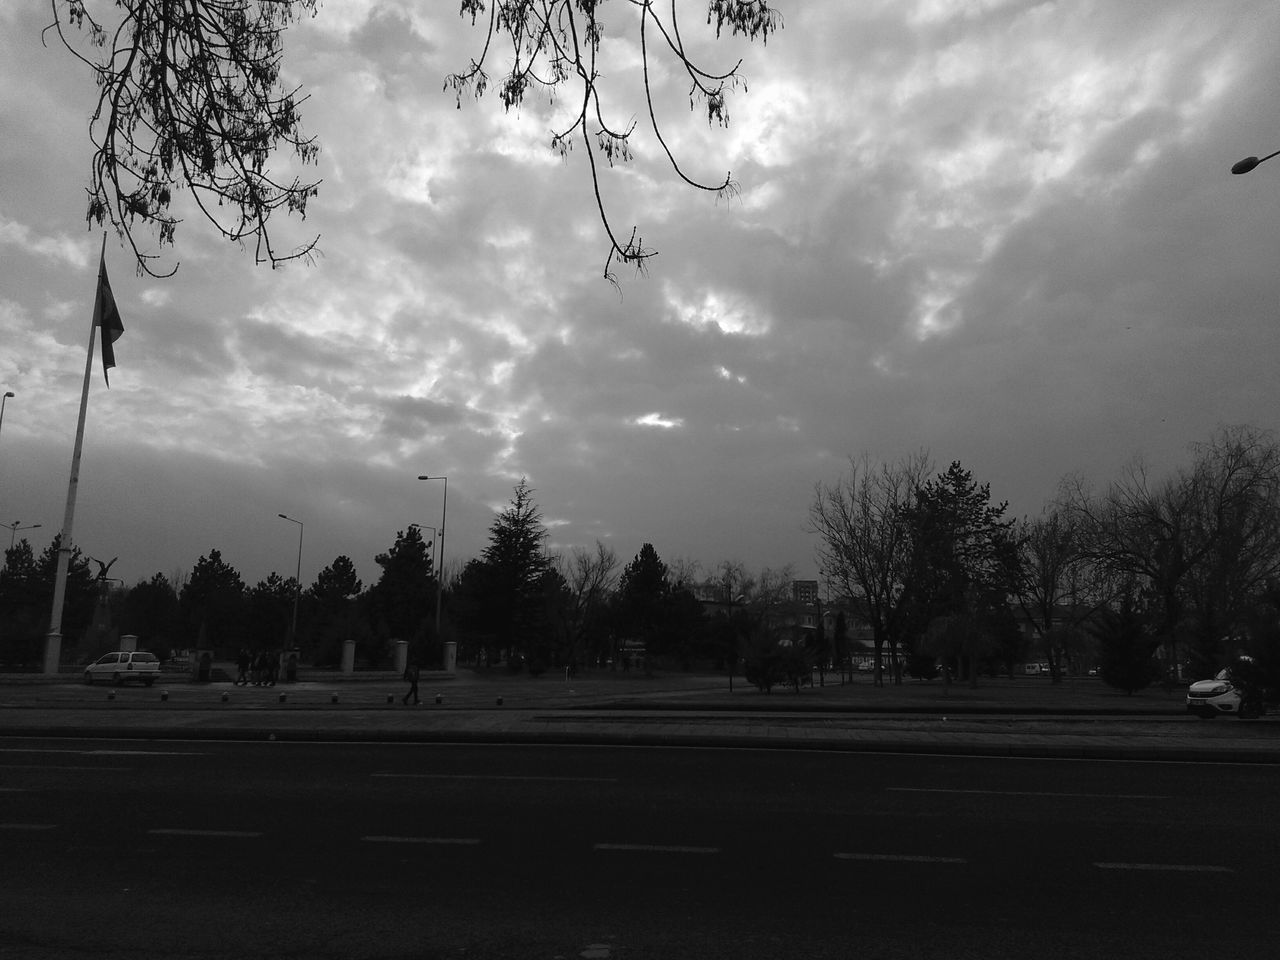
<point x="493" y="776"/>
<point x="27" y="826"/>
<point x="1167" y="867"/>
<point x="448" y="841"/>
<point x="106" y="753"/>
<point x="653" y="848"/>
<point x="183" y="832"/>
<point x="899" y="858"/>
<point x="54" y="766"/>
<point x="1034" y="793"/>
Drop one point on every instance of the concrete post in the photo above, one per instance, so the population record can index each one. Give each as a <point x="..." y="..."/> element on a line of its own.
<point x="401" y="656"/>
<point x="52" y="652"/>
<point x="348" y="656"/>
<point x="451" y="656"/>
<point x="129" y="642"/>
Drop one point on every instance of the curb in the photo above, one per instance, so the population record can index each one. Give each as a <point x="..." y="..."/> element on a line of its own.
<point x="634" y="738"/>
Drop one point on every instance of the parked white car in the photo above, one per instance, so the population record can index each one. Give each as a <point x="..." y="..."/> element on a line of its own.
<point x="124" y="665"/>
<point x="1221" y="695"/>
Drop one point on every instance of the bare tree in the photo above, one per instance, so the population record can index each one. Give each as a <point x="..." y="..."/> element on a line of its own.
<point x="591" y="577"/>
<point x="190" y="101"/>
<point x="557" y="42"/>
<point x="1060" y="586"/>
<point x="1201" y="540"/>
<point x="865" y="542"/>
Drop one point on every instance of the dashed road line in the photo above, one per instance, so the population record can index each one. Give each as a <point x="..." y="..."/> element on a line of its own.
<point x="185" y="832"/>
<point x="1033" y="793"/>
<point x="652" y="848"/>
<point x="1166" y="867"/>
<point x="493" y="776"/>
<point x="28" y="826"/>
<point x="899" y="858"/>
<point x="63" y="767"/>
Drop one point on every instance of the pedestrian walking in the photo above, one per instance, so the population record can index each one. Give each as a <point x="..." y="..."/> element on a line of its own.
<point x="242" y="667"/>
<point x="260" y="669"/>
<point x="411" y="674"/>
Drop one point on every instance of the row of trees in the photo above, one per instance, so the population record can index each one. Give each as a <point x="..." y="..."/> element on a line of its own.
<point x="1179" y="573"/>
<point x="515" y="604"/>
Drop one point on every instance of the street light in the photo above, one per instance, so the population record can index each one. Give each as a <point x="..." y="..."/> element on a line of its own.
<point x="434" y="534"/>
<point x="444" y="505"/>
<point x="16" y="526"/>
<point x="1248" y="163"/>
<point x="297" y="579"/>
<point x="3" y="401"/>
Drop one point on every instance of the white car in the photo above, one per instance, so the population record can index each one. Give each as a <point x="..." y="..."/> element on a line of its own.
<point x="1209" y="698"/>
<point x="124" y="665"/>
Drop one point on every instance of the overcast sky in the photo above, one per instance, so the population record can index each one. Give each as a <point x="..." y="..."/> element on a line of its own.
<point x="1004" y="232"/>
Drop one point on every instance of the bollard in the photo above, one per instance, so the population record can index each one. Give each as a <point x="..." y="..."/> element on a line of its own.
<point x="439" y="699"/>
<point x="499" y="701"/>
<point x="391" y="698"/>
<point x="283" y="697"/>
<point x="333" y="698"/>
<point x="164" y="695"/>
<point x="111" y="694"/>
<point x="225" y="697"/>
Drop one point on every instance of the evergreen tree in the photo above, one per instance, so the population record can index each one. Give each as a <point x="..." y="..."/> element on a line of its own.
<point x="269" y="604"/>
<point x="643" y="592"/>
<point x="212" y="603"/>
<point x="150" y="612"/>
<point x="330" y="605"/>
<point x="402" y="602"/>
<point x="23" y="618"/>
<point x="516" y="563"/>
<point x="1127" y="642"/>
<point x="965" y="565"/>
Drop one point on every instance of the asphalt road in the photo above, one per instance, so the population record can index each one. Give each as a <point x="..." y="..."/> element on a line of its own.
<point x="212" y="849"/>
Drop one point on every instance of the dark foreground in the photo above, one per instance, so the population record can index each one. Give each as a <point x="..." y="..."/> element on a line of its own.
<point x="210" y="850"/>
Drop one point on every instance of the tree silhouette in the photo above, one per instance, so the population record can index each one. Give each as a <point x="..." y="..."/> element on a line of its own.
<point x="190" y="101"/>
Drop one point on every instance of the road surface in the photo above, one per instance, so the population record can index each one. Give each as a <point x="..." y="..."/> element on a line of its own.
<point x="212" y="849"/>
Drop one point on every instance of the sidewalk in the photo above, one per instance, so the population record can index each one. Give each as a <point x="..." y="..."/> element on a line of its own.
<point x="1018" y="720"/>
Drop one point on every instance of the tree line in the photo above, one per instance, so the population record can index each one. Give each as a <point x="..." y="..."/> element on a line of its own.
<point x="516" y="604"/>
<point x="1147" y="577"/>
<point x="1154" y="577"/>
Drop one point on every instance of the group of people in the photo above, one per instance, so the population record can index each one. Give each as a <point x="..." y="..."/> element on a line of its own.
<point x="260" y="670"/>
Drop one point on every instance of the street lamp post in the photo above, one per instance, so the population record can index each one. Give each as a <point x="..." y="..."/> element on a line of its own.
<point x="444" y="505"/>
<point x="297" y="580"/>
<point x="15" y="527"/>
<point x="1248" y="163"/>
<point x="3" y="401"/>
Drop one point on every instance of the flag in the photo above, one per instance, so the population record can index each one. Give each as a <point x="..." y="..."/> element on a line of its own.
<point x="106" y="316"/>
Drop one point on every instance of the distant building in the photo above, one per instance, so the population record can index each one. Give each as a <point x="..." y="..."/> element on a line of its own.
<point x="804" y="591"/>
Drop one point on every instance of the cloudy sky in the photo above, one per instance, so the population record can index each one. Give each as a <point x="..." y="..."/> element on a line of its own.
<point x="1001" y="231"/>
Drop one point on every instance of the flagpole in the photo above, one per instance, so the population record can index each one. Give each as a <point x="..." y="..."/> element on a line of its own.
<point x="53" y="642"/>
